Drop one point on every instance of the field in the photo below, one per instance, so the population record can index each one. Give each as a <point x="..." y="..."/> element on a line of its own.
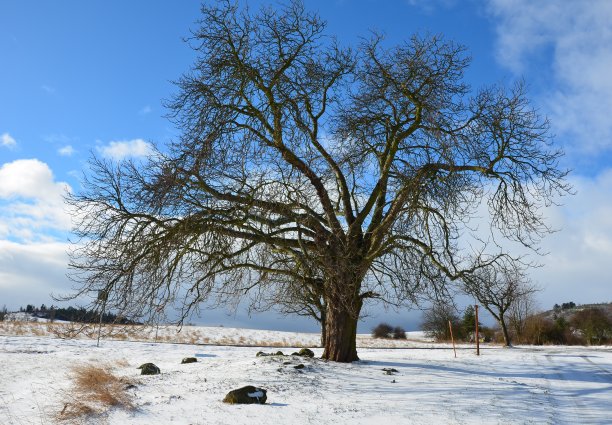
<point x="522" y="385"/>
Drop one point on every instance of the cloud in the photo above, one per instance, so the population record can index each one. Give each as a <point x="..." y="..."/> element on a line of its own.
<point x="67" y="150"/>
<point x="48" y="89"/>
<point x="122" y="149"/>
<point x="577" y="266"/>
<point x="7" y="140"/>
<point x="30" y="272"/>
<point x="145" y="110"/>
<point x="570" y="42"/>
<point x="31" y="202"/>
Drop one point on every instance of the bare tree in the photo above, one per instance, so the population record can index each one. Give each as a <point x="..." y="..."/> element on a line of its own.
<point x="498" y="288"/>
<point x="309" y="169"/>
<point x="436" y="318"/>
<point x="519" y="312"/>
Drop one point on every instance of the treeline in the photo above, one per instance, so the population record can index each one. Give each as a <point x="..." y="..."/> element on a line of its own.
<point x="68" y="314"/>
<point x="568" y="325"/>
<point x="565" y="324"/>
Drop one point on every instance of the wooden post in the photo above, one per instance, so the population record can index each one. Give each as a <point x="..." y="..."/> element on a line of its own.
<point x="450" y="326"/>
<point x="477" y="336"/>
<point x="102" y="296"/>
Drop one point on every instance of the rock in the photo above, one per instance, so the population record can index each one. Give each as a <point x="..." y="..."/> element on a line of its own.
<point x="262" y="354"/>
<point x="300" y="366"/>
<point x="305" y="352"/>
<point x="390" y="371"/>
<point x="189" y="360"/>
<point x="246" y="395"/>
<point x="149" y="369"/>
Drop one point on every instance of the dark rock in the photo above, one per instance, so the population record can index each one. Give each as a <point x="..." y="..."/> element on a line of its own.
<point x="149" y="369"/>
<point x="279" y="353"/>
<point x="261" y="354"/>
<point x="189" y="360"/>
<point x="246" y="395"/>
<point x="300" y="366"/>
<point x="305" y="352"/>
<point x="390" y="371"/>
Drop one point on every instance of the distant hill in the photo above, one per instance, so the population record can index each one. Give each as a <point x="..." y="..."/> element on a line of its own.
<point x="569" y="309"/>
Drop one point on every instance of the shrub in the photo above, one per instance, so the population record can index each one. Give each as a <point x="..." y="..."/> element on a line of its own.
<point x="384" y="330"/>
<point x="399" y="333"/>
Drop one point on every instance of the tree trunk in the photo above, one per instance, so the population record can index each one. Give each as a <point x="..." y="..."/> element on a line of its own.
<point x="504" y="328"/>
<point x="341" y="334"/>
<point x="323" y="328"/>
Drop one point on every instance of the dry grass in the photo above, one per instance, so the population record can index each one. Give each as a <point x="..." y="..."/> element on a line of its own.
<point x="95" y="390"/>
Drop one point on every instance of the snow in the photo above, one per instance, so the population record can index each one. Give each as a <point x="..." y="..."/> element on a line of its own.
<point x="522" y="385"/>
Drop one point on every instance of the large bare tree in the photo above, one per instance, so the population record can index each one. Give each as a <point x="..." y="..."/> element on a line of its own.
<point x="312" y="170"/>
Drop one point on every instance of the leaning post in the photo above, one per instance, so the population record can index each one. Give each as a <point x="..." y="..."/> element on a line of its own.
<point x="450" y="326"/>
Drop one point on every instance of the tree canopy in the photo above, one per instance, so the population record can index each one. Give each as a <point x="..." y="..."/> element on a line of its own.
<point x="314" y="172"/>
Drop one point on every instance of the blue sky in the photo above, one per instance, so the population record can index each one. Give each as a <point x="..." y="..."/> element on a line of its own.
<point x="89" y="76"/>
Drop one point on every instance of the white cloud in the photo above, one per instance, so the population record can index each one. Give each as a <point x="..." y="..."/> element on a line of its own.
<point x="429" y="6"/>
<point x="30" y="272"/>
<point x="145" y="110"/>
<point x="31" y="201"/>
<point x="7" y="140"/>
<point x="67" y="150"/>
<point x="571" y="39"/>
<point x="577" y="267"/>
<point x="125" y="148"/>
<point x="48" y="89"/>
<point x="33" y="229"/>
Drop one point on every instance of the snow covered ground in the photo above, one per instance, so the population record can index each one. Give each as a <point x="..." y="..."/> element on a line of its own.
<point x="523" y="385"/>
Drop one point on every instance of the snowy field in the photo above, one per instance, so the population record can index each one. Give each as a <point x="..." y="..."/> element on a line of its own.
<point x="523" y="385"/>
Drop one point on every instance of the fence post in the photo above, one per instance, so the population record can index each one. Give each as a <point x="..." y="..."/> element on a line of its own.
<point x="450" y="326"/>
<point x="477" y="336"/>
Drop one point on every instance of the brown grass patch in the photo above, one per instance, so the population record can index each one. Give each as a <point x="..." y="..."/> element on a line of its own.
<point x="95" y="390"/>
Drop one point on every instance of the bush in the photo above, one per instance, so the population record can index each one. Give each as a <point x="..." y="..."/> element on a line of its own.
<point x="384" y="330"/>
<point x="399" y="333"/>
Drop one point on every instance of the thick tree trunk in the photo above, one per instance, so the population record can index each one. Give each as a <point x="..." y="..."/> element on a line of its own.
<point x="341" y="334"/>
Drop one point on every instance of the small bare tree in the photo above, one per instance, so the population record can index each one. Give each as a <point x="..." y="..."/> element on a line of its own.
<point x="519" y="312"/>
<point x="498" y="288"/>
<point x="436" y="319"/>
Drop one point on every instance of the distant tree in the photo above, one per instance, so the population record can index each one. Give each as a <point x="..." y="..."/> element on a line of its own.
<point x="568" y="305"/>
<point x="520" y="310"/>
<point x="30" y="308"/>
<point x="3" y="313"/>
<point x="497" y="288"/>
<point x="435" y="321"/>
<point x="294" y="151"/>
<point x="594" y="324"/>
<point x="468" y="323"/>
